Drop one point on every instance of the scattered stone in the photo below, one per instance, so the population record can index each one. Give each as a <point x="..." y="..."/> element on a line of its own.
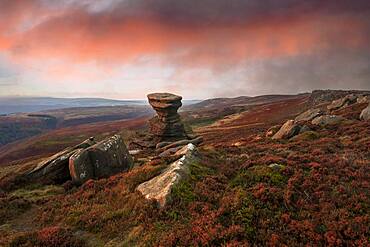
<point x="186" y="149"/>
<point x="365" y="114"/>
<point x="195" y="141"/>
<point x="288" y="130"/>
<point x="159" y="188"/>
<point x="162" y="144"/>
<point x="55" y="168"/>
<point x="134" y="152"/>
<point x="363" y="99"/>
<point x="272" y="130"/>
<point x="170" y="151"/>
<point x="328" y="120"/>
<point x="276" y="166"/>
<point x="103" y="159"/>
<point x="343" y="102"/>
<point x="308" y="115"/>
<point x="167" y="124"/>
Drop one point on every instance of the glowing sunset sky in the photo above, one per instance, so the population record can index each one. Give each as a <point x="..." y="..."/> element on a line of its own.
<point x="125" y="49"/>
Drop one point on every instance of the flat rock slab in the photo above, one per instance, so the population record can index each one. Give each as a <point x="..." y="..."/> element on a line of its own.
<point x="194" y="141"/>
<point x="160" y="187"/>
<point x="309" y="115"/>
<point x="328" y="120"/>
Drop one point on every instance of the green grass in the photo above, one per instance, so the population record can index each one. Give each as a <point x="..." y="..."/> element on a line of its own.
<point x="258" y="174"/>
<point x="36" y="192"/>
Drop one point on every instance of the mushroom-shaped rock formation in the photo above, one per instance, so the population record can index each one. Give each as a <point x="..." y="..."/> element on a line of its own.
<point x="167" y="124"/>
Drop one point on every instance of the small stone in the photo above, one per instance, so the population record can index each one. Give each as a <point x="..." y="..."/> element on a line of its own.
<point x="276" y="166"/>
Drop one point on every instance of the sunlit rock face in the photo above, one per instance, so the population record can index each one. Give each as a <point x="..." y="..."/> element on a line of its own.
<point x="167" y="124"/>
<point x="160" y="187"/>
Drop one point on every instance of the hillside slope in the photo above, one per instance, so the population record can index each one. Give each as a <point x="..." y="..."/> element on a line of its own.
<point x="245" y="190"/>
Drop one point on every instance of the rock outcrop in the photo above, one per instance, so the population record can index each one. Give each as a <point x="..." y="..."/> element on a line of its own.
<point x="55" y="168"/>
<point x="342" y="102"/>
<point x="288" y="130"/>
<point x="328" y="120"/>
<point x="84" y="161"/>
<point x="103" y="159"/>
<point x="309" y="115"/>
<point x="159" y="188"/>
<point x="167" y="124"/>
<point x="365" y="114"/>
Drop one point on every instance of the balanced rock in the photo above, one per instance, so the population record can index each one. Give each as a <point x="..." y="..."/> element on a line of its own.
<point x="103" y="159"/>
<point x="365" y="114"/>
<point x="167" y="124"/>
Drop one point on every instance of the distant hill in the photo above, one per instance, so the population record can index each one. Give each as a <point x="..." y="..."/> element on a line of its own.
<point x="9" y="105"/>
<point x="33" y="104"/>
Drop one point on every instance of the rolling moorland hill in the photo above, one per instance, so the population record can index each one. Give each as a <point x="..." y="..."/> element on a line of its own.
<point x="246" y="189"/>
<point x="11" y="105"/>
<point x="18" y="126"/>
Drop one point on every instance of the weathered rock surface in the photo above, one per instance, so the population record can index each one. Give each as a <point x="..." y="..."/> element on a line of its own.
<point x="309" y="115"/>
<point x="342" y="102"/>
<point x="288" y="130"/>
<point x="167" y="124"/>
<point x="363" y="99"/>
<point x="170" y="152"/>
<point x="195" y="141"/>
<point x="159" y="188"/>
<point x="328" y="120"/>
<point x="272" y="130"/>
<point x="365" y="114"/>
<point x="103" y="159"/>
<point x="304" y="128"/>
<point x="55" y="168"/>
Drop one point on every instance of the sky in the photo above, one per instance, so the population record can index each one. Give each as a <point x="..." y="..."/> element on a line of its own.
<point x="125" y="49"/>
